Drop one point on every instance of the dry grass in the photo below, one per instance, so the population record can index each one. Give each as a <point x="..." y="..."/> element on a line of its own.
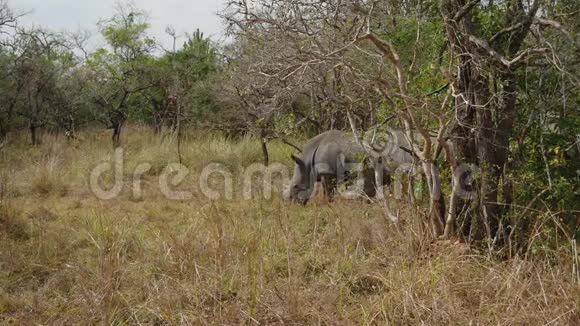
<point x="68" y="258"/>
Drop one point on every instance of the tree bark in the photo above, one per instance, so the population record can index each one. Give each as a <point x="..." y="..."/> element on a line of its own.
<point x="473" y="135"/>
<point x="34" y="134"/>
<point x="117" y="129"/>
<point x="178" y="132"/>
<point x="157" y="123"/>
<point x="265" y="153"/>
<point x="485" y="122"/>
<point x="3" y="132"/>
<point x="437" y="200"/>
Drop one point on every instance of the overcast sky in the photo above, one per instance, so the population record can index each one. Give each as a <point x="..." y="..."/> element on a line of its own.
<point x="70" y="15"/>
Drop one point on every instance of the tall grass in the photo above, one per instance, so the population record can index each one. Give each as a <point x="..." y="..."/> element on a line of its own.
<point x="69" y="258"/>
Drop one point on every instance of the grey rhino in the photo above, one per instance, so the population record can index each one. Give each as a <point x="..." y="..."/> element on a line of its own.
<point x="327" y="157"/>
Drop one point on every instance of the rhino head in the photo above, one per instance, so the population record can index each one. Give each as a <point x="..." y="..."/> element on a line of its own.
<point x="299" y="188"/>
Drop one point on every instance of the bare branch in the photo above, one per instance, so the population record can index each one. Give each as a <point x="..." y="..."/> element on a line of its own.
<point x="554" y="24"/>
<point x="465" y="10"/>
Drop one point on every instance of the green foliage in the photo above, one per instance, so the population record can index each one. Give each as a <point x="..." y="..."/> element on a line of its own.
<point x="126" y="33"/>
<point x="489" y="20"/>
<point x="194" y="64"/>
<point x="420" y="42"/>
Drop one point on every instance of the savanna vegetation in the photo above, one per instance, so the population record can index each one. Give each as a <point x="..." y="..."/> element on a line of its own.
<point x="488" y="84"/>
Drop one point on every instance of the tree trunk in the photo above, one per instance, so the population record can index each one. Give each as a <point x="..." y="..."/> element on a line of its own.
<point x="117" y="128"/>
<point x="486" y="158"/>
<point x="157" y="124"/>
<point x="118" y="116"/>
<point x="483" y="138"/>
<point x="471" y="89"/>
<point x="437" y="200"/>
<point x="158" y="116"/>
<point x="450" y="223"/>
<point x="491" y="118"/>
<point x="179" y="137"/>
<point x="265" y="154"/>
<point x="438" y="213"/>
<point x="34" y="134"/>
<point x="3" y="132"/>
<point x="33" y="117"/>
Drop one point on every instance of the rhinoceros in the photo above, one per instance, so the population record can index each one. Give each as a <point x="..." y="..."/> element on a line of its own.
<point x="329" y="157"/>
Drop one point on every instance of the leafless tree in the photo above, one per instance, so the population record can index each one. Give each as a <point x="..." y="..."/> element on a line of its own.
<point x="8" y="18"/>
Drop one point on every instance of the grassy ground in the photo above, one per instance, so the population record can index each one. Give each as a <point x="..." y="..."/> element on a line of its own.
<point x="67" y="257"/>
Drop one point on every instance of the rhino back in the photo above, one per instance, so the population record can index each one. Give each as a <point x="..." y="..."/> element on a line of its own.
<point x="312" y="147"/>
<point x="336" y="148"/>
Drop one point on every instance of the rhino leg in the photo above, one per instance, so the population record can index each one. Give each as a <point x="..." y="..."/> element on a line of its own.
<point x="322" y="190"/>
<point x="317" y="192"/>
<point x="369" y="185"/>
<point x="327" y="188"/>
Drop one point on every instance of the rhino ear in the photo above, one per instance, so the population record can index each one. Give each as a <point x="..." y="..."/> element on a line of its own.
<point x="297" y="160"/>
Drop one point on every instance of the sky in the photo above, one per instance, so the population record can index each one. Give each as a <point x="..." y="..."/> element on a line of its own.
<point x="71" y="15"/>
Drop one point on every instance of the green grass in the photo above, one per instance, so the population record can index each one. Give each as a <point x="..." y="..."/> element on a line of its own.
<point x="68" y="258"/>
